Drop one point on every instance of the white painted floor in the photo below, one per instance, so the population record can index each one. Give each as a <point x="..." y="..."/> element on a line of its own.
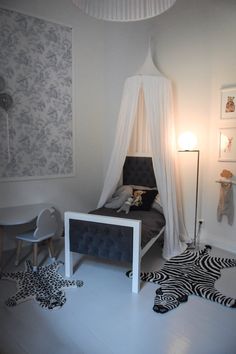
<point x="104" y="317"/>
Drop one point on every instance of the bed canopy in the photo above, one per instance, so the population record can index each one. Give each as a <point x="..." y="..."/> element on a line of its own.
<point x="151" y="88"/>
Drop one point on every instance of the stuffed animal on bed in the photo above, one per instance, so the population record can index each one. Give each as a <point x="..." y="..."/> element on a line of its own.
<point x="126" y="206"/>
<point x="138" y="197"/>
<point x="119" y="197"/>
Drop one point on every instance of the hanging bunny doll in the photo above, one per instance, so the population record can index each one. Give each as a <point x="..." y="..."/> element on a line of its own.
<point x="226" y="202"/>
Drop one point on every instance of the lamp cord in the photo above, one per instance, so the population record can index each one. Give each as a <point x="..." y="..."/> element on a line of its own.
<point x="8" y="139"/>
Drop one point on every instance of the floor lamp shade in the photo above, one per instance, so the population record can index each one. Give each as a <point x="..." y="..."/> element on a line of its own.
<point x="187" y="141"/>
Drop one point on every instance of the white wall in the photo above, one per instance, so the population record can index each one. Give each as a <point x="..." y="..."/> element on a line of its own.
<point x="194" y="45"/>
<point x="82" y="191"/>
<point x="195" y="48"/>
<point x="222" y="50"/>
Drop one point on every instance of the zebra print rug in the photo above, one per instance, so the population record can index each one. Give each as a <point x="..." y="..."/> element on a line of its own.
<point x="44" y="285"/>
<point x="187" y="274"/>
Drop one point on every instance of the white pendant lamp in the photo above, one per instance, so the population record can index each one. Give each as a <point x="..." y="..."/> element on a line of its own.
<point x="123" y="10"/>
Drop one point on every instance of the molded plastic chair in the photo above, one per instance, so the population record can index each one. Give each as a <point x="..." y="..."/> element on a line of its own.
<point x="46" y="228"/>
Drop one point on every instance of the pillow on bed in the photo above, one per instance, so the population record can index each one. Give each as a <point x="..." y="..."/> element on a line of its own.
<point x="157" y="204"/>
<point x="143" y="199"/>
<point x="119" y="197"/>
<point x="144" y="188"/>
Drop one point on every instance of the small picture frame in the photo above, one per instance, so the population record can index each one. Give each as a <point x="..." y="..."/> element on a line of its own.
<point x="228" y="103"/>
<point x="227" y="144"/>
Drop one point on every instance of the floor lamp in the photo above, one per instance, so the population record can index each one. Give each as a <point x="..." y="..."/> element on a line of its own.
<point x="187" y="143"/>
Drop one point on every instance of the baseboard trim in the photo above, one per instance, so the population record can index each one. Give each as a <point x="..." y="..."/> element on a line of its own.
<point x="223" y="244"/>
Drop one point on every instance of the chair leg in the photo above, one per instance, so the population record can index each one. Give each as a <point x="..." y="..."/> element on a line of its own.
<point x="18" y="251"/>
<point x="35" y="257"/>
<point x="1" y="245"/>
<point x="50" y="249"/>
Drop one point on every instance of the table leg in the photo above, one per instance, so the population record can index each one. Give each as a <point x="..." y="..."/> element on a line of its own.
<point x="1" y="245"/>
<point x="18" y="250"/>
<point x="35" y="256"/>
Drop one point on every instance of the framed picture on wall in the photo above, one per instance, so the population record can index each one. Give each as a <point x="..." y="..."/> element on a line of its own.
<point x="228" y="103"/>
<point x="227" y="144"/>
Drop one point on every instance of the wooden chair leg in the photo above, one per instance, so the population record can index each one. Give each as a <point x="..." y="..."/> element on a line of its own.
<point x="35" y="256"/>
<point x="18" y="251"/>
<point x="50" y="249"/>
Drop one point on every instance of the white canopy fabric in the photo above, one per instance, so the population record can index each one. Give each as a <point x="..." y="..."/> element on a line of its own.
<point x="158" y="98"/>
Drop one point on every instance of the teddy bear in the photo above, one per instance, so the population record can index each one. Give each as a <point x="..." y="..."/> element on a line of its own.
<point x="138" y="197"/>
<point x="226" y="174"/>
<point x="230" y="105"/>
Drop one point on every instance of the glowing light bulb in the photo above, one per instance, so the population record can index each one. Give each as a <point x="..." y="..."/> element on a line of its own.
<point x="187" y="141"/>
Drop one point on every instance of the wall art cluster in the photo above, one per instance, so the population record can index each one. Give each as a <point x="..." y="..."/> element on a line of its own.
<point x="227" y="134"/>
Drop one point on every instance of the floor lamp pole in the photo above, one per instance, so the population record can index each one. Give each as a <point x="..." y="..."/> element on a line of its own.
<point x="196" y="200"/>
<point x="194" y="243"/>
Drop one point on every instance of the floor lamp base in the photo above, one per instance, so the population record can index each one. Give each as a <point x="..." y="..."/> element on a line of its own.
<point x="192" y="246"/>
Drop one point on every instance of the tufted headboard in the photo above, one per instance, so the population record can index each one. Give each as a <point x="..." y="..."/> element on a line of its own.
<point x="139" y="171"/>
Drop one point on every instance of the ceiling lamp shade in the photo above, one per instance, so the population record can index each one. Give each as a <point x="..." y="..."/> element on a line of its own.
<point x="123" y="10"/>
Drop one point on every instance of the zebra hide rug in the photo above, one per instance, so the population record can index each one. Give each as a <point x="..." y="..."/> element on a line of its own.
<point x="44" y="285"/>
<point x="187" y="274"/>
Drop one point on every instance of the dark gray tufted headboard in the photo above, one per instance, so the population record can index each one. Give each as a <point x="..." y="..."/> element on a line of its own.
<point x="139" y="171"/>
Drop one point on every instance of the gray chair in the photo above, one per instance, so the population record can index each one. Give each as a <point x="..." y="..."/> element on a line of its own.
<point x="46" y="229"/>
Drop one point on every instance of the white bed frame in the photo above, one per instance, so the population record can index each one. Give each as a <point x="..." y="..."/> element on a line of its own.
<point x="138" y="253"/>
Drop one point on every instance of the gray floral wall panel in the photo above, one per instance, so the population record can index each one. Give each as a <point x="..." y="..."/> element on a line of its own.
<point x="36" y="67"/>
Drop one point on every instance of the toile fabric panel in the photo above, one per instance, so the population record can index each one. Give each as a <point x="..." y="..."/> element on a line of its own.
<point x="36" y="65"/>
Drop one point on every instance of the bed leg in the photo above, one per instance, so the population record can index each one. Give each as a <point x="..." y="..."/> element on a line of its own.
<point x="136" y="258"/>
<point x="68" y="255"/>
